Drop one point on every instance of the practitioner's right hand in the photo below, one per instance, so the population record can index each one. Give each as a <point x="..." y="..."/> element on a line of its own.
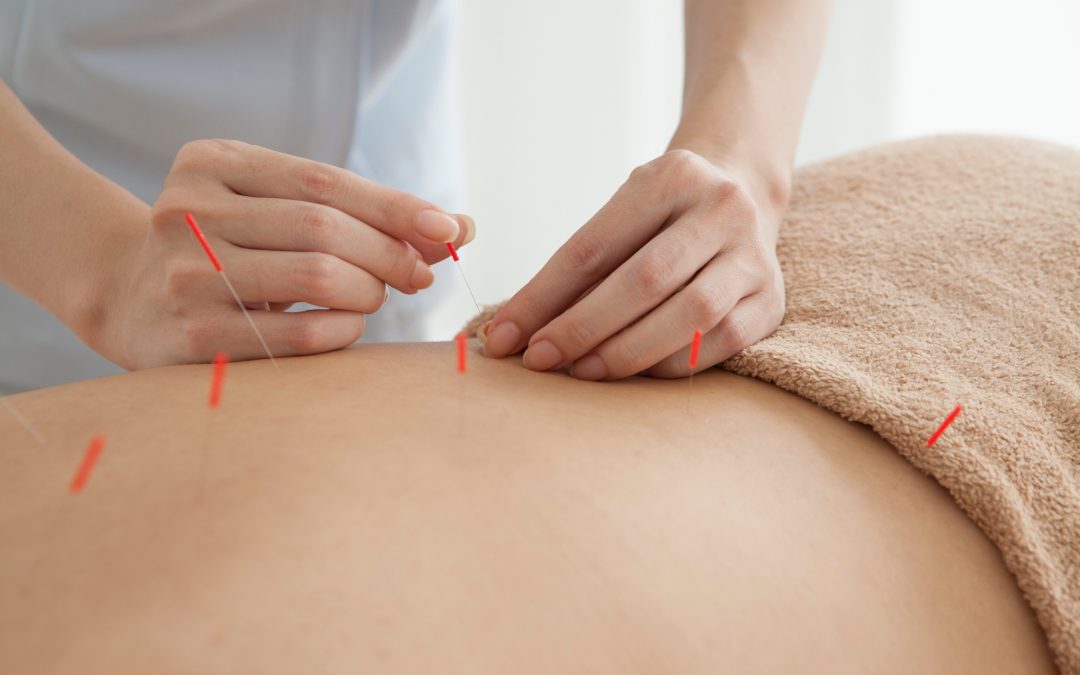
<point x="286" y="230"/>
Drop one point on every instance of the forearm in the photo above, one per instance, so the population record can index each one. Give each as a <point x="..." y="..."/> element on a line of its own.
<point x="749" y="67"/>
<point x="60" y="222"/>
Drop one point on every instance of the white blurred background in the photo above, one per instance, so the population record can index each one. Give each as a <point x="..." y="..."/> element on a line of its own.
<point x="561" y="99"/>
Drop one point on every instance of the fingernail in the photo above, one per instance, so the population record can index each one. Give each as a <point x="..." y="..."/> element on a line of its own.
<point x="422" y="276"/>
<point x="589" y="368"/>
<point x="436" y="226"/>
<point x="481" y="332"/>
<point x="469" y="225"/>
<point x="542" y="356"/>
<point x="502" y="339"/>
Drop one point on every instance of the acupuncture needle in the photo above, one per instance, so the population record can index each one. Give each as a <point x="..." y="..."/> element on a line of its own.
<point x="454" y="255"/>
<point x="217" y="265"/>
<point x="462" y="362"/>
<point x="22" y="420"/>
<point x="695" y="347"/>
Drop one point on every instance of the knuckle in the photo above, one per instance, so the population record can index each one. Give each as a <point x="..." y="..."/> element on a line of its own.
<point x="735" y="200"/>
<point x="679" y="159"/>
<point x="403" y="259"/>
<point x="774" y="308"/>
<point x="705" y="305"/>
<point x="316" y="275"/>
<point x="682" y="164"/>
<point x="652" y="276"/>
<point x="375" y="299"/>
<point x="319" y="182"/>
<point x="642" y="174"/>
<point x="317" y="225"/>
<point x="580" y="332"/>
<point x="726" y="201"/>
<point x="624" y="358"/>
<point x="197" y="336"/>
<point x="585" y="253"/>
<point x="180" y="279"/>
<point x="168" y="211"/>
<point x="305" y="336"/>
<point x="682" y="171"/>
<point x="199" y="153"/>
<point x="735" y="335"/>
<point x="754" y="263"/>
<point x="190" y="153"/>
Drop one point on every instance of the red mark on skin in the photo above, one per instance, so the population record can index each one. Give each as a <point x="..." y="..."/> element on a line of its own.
<point x="695" y="346"/>
<point x="461" y="352"/>
<point x="97" y="444"/>
<point x="944" y="425"/>
<point x="202" y="240"/>
<point x="453" y="251"/>
<point x="220" y="361"/>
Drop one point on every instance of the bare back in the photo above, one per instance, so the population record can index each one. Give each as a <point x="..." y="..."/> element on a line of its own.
<point x="374" y="511"/>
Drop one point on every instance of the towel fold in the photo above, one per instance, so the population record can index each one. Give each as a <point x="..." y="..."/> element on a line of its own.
<point x="941" y="272"/>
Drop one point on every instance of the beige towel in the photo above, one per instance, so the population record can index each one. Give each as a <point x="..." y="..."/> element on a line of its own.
<point x="943" y="272"/>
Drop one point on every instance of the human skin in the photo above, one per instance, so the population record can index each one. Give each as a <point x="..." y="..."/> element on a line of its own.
<point x="689" y="241"/>
<point x="372" y="510"/>
<point x="124" y="276"/>
<point x="129" y="280"/>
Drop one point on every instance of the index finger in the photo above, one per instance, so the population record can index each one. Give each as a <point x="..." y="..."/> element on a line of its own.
<point x="621" y="227"/>
<point x="255" y="171"/>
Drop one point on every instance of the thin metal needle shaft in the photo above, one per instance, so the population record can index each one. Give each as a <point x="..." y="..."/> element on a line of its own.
<point x="454" y="255"/>
<point x="23" y="421"/>
<point x="247" y="315"/>
<point x="471" y="294"/>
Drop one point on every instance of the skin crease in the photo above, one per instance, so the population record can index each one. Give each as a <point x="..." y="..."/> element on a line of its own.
<point x="128" y="279"/>
<point x="501" y="521"/>
<point x="123" y="276"/>
<point x="689" y="241"/>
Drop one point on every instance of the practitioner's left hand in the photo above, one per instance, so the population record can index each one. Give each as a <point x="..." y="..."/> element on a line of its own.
<point x="682" y="246"/>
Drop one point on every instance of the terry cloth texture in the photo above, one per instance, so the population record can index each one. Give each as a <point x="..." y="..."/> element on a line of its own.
<point x="943" y="272"/>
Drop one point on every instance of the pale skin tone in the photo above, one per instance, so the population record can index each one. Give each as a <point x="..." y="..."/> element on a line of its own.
<point x="518" y="523"/>
<point x="132" y="283"/>
<point x="687" y="244"/>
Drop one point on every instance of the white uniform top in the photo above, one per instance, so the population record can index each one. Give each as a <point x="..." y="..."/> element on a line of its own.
<point x="364" y="84"/>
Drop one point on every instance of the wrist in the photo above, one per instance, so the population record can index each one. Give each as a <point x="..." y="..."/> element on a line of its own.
<point x="105" y="234"/>
<point x="103" y="276"/>
<point x="68" y="232"/>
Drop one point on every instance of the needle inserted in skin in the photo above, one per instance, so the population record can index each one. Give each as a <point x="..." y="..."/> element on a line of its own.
<point x="462" y="362"/>
<point x="462" y="352"/>
<point x="23" y="421"/>
<point x="454" y="255"/>
<point x="695" y="347"/>
<point x="97" y="444"/>
<point x="221" y="360"/>
<point x="217" y="265"/>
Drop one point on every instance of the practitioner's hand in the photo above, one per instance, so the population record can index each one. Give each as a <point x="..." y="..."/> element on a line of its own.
<point x="682" y="246"/>
<point x="286" y="230"/>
